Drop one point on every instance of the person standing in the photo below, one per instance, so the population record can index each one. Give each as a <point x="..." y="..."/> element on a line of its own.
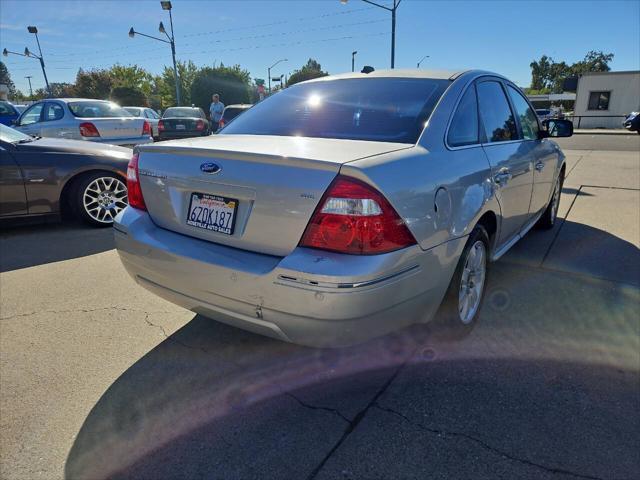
<point x="215" y="110"/>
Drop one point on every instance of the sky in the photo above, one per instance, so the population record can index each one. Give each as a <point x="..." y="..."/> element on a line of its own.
<point x="501" y="36"/>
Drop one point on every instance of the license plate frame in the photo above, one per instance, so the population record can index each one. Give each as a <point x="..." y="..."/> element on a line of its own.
<point x="180" y="126"/>
<point x="226" y="226"/>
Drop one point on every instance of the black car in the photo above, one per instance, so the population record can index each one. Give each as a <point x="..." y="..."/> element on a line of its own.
<point x="183" y="122"/>
<point x="45" y="176"/>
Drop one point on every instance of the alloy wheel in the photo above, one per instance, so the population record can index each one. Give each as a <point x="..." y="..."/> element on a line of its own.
<point x="104" y="198"/>
<point x="472" y="282"/>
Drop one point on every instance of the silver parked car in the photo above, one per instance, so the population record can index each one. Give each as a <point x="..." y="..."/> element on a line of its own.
<point x="345" y="207"/>
<point x="84" y="119"/>
<point x="149" y="114"/>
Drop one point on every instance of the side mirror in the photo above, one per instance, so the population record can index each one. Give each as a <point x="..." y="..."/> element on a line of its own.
<point x="556" y="127"/>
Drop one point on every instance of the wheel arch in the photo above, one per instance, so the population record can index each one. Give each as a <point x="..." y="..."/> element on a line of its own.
<point x="66" y="193"/>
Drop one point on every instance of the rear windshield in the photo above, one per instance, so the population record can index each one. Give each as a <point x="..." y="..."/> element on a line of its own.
<point x="378" y="109"/>
<point x="136" y="112"/>
<point x="97" y="109"/>
<point x="231" y="113"/>
<point x="181" y="112"/>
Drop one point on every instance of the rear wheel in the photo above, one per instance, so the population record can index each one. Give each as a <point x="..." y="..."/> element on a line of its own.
<point x="99" y="197"/>
<point x="548" y="219"/>
<point x="461" y="305"/>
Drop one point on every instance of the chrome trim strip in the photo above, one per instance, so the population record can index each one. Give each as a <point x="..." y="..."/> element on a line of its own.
<point x="341" y="286"/>
<point x="507" y="246"/>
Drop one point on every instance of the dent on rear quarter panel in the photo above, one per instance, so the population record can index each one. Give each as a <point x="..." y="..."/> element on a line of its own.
<point x="410" y="180"/>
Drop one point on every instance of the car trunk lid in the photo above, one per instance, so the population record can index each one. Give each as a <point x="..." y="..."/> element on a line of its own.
<point x="117" y="128"/>
<point x="273" y="183"/>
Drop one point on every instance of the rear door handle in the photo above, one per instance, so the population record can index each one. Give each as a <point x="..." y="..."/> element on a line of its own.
<point x="503" y="176"/>
<point x="539" y="166"/>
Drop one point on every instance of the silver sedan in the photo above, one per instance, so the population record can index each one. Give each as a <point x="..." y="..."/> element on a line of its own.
<point x="345" y="207"/>
<point x="84" y="119"/>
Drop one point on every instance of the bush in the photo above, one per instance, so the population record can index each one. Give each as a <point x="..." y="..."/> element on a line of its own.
<point x="129" y="96"/>
<point x="231" y="83"/>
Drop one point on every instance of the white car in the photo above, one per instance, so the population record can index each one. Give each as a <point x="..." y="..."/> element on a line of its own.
<point x="149" y="115"/>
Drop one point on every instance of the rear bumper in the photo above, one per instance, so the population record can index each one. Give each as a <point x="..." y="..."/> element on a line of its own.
<point x="308" y="297"/>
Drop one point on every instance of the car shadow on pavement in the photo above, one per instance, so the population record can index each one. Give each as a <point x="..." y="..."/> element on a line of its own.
<point x="23" y="246"/>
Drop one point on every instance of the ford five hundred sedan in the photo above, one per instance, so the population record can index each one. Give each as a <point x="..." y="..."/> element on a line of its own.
<point x="345" y="207"/>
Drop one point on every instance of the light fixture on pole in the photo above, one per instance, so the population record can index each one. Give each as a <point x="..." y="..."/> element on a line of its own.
<point x="166" y="5"/>
<point x="269" y="71"/>
<point x="396" y="4"/>
<point x="422" y="60"/>
<point x="353" y="60"/>
<point x="28" y="53"/>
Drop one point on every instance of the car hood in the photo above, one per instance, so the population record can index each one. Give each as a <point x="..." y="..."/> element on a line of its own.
<point x="78" y="147"/>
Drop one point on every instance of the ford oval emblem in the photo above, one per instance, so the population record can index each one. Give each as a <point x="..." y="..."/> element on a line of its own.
<point x="210" y="167"/>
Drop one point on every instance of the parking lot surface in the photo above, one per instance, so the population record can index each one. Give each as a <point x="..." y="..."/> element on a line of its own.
<point x="100" y="379"/>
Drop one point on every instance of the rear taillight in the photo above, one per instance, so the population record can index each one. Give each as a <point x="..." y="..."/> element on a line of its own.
<point x="134" y="192"/>
<point x="160" y="125"/>
<point x="200" y="125"/>
<point x="221" y="123"/>
<point x="353" y="217"/>
<point x="88" y="129"/>
<point x="146" y="128"/>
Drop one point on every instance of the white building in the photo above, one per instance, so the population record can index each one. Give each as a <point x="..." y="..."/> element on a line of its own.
<point x="604" y="98"/>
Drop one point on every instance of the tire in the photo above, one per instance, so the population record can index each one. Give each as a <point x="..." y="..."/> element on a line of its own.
<point x="550" y="215"/>
<point x="98" y="197"/>
<point x="456" y="318"/>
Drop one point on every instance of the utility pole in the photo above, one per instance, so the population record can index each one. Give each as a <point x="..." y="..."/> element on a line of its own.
<point x="269" y="72"/>
<point x="28" y="77"/>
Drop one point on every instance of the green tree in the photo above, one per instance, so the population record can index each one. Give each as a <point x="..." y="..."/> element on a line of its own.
<point x="58" y="90"/>
<point x="131" y="76"/>
<point x="312" y="69"/>
<point x="231" y="83"/>
<point x="5" y="78"/>
<point x="93" y="83"/>
<point x="546" y="73"/>
<point x="129" y="96"/>
<point x="166" y="85"/>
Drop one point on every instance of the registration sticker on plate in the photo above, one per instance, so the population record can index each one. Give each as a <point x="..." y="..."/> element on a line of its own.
<point x="211" y="212"/>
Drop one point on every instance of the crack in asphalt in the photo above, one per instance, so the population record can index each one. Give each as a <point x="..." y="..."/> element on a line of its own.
<point x="314" y="407"/>
<point x="80" y="310"/>
<point x="357" y="419"/>
<point x="485" y="445"/>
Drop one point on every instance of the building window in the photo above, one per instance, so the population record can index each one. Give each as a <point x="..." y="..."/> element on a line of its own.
<point x="599" y="100"/>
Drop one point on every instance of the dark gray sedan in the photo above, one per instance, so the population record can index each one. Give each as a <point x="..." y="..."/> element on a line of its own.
<point x="44" y="176"/>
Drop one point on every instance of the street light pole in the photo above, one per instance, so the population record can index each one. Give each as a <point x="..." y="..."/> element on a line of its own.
<point x="29" y="77"/>
<point x="269" y="72"/>
<point x="166" y="5"/>
<point x="353" y="60"/>
<point x="421" y="60"/>
<point x="396" y="4"/>
<point x="34" y="30"/>
<point x="27" y="53"/>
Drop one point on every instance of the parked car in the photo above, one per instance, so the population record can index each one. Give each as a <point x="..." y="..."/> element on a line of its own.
<point x="149" y="114"/>
<point x="42" y="176"/>
<point x="632" y="122"/>
<point x="232" y="111"/>
<point x="8" y="113"/>
<point x="345" y="207"/>
<point x="544" y="114"/>
<point x="84" y="119"/>
<point x="183" y="122"/>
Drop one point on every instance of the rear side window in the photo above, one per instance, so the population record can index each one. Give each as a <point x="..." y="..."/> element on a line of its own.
<point x="6" y="109"/>
<point x="231" y="113"/>
<point x="495" y="112"/>
<point x="528" y="120"/>
<point x="375" y="109"/>
<point x="53" y="111"/>
<point x="464" y="126"/>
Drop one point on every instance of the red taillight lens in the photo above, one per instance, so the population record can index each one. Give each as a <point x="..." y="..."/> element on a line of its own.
<point x="134" y="192"/>
<point x="160" y="125"/>
<point x="88" y="129"/>
<point x="146" y="128"/>
<point x="353" y="217"/>
<point x="200" y="125"/>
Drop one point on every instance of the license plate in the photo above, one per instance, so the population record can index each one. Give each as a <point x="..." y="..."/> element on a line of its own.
<point x="211" y="212"/>
<point x="180" y="127"/>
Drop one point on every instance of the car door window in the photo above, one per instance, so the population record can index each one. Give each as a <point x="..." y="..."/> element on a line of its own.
<point x="497" y="119"/>
<point x="32" y="114"/>
<point x="5" y="109"/>
<point x="464" y="126"/>
<point x="53" y="111"/>
<point x="526" y="116"/>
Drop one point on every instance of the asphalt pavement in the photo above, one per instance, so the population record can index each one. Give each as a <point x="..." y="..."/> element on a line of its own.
<point x="100" y="379"/>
